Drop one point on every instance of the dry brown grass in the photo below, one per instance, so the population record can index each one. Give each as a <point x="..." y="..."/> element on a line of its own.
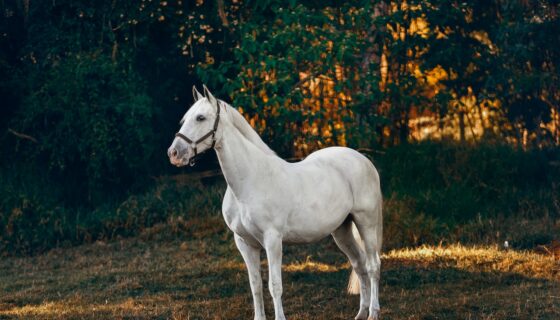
<point x="202" y="277"/>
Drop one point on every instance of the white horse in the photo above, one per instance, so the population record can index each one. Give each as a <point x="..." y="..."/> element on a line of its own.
<point x="269" y="202"/>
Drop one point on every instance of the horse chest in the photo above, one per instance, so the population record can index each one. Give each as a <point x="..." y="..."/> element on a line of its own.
<point x="240" y="220"/>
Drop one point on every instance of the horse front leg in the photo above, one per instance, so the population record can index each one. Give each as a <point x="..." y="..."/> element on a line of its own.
<point x="252" y="257"/>
<point x="273" y="247"/>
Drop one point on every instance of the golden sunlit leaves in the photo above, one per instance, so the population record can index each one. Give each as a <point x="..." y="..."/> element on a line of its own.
<point x="482" y="36"/>
<point x="209" y="59"/>
<point x="324" y="99"/>
<point x="419" y="26"/>
<point x="414" y="93"/>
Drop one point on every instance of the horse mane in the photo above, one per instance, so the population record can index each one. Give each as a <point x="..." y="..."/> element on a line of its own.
<point x="246" y="130"/>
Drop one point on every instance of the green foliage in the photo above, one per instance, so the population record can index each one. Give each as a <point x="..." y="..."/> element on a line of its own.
<point x="432" y="193"/>
<point x="264" y="55"/>
<point x="34" y="221"/>
<point x="457" y="183"/>
<point x="279" y="58"/>
<point x="101" y="84"/>
<point x="525" y="74"/>
<point x="488" y="50"/>
<point x="488" y="193"/>
<point x="92" y="122"/>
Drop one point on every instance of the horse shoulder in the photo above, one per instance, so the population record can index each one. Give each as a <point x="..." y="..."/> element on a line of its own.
<point x="235" y="215"/>
<point x="230" y="209"/>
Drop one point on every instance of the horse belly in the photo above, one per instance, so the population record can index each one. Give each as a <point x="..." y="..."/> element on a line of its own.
<point x="323" y="210"/>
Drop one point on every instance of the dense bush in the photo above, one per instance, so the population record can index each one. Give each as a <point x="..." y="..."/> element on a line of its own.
<point x="458" y="183"/>
<point x="90" y="80"/>
<point x="92" y="91"/>
<point x="432" y="193"/>
<point x="92" y="122"/>
<point x="302" y="75"/>
<point x="30" y="222"/>
<point x="486" y="193"/>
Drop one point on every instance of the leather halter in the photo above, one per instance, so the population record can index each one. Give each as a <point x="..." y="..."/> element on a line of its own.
<point x="211" y="133"/>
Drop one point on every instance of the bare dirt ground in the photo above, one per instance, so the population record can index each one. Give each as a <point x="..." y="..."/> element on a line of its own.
<point x="201" y="276"/>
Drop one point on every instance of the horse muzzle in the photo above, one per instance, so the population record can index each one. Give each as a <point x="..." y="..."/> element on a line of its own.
<point x="178" y="155"/>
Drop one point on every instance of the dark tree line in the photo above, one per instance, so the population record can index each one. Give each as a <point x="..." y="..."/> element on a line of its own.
<point x="92" y="90"/>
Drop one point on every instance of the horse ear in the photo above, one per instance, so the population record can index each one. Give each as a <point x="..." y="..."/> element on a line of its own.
<point x="196" y="95"/>
<point x="209" y="96"/>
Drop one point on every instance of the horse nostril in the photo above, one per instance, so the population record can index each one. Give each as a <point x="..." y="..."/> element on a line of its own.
<point x="174" y="152"/>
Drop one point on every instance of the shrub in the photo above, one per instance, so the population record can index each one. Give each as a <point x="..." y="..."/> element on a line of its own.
<point x="433" y="193"/>
<point x="92" y="121"/>
<point x="446" y="193"/>
<point x="455" y="183"/>
<point x="31" y="222"/>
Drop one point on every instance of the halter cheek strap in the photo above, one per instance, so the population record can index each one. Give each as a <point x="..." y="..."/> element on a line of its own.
<point x="211" y="133"/>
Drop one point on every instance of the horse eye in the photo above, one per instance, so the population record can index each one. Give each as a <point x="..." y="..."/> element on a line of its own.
<point x="200" y="118"/>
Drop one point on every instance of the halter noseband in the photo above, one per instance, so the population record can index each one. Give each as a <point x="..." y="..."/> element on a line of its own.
<point x="211" y="133"/>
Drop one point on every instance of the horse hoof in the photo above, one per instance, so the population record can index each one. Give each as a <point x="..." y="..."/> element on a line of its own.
<point x="374" y="316"/>
<point x="362" y="315"/>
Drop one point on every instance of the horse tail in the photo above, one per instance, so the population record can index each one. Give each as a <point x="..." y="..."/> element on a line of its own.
<point x="354" y="282"/>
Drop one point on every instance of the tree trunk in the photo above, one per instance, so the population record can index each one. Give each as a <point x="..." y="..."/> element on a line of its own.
<point x="462" y="126"/>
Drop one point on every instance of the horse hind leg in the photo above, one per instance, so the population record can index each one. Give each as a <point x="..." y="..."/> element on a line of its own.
<point x="369" y="225"/>
<point x="347" y="243"/>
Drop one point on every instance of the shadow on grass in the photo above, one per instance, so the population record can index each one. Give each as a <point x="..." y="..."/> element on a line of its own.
<point x="206" y="279"/>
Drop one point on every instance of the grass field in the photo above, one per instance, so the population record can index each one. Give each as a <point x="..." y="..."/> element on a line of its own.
<point x="164" y="274"/>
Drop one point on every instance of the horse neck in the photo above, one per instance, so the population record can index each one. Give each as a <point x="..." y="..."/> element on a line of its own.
<point x="243" y="164"/>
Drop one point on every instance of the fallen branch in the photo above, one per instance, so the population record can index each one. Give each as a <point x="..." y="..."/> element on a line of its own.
<point x="22" y="136"/>
<point x="367" y="150"/>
